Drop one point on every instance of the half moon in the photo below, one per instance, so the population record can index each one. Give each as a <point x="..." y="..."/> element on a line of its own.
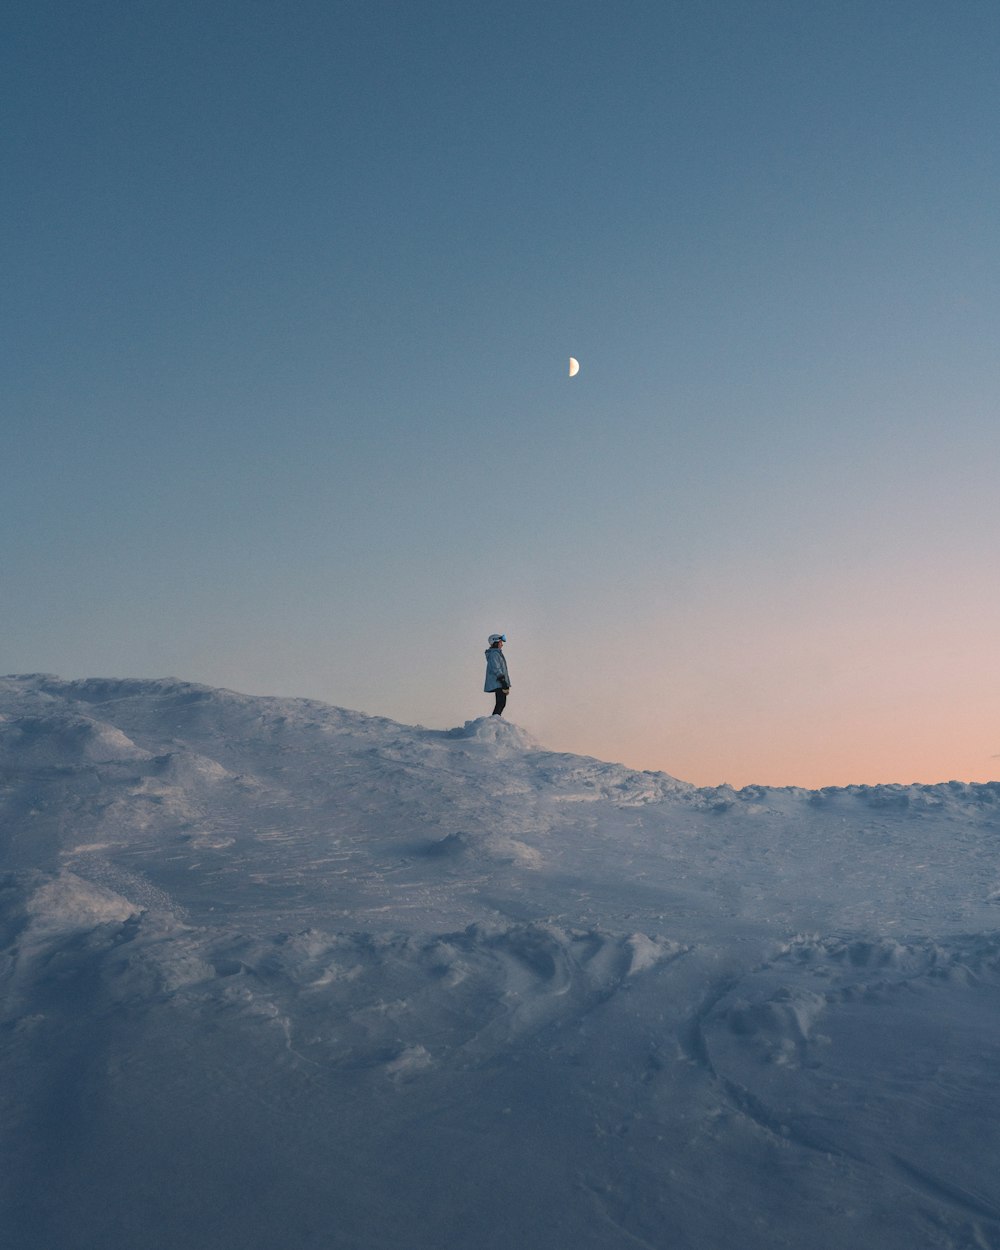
<point x="574" y="366"/>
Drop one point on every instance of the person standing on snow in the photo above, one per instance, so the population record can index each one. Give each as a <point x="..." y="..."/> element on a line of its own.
<point x="497" y="677"/>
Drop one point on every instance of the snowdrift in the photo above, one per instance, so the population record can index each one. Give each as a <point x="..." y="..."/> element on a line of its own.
<point x="281" y="974"/>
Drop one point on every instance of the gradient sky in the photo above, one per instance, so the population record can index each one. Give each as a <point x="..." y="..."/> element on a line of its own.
<point x="288" y="296"/>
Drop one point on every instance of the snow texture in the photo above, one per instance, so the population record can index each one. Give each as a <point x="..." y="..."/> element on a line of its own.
<point x="277" y="974"/>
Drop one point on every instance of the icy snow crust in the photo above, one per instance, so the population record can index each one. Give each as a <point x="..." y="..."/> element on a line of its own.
<point x="277" y="974"/>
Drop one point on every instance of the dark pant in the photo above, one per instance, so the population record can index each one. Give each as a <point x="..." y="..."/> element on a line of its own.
<point x="501" y="703"/>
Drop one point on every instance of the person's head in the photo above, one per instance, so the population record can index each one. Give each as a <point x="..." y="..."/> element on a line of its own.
<point x="497" y="640"/>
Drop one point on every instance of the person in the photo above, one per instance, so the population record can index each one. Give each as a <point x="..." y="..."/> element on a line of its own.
<point x="497" y="676"/>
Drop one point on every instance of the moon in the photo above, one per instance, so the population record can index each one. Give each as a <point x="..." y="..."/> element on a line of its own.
<point x="574" y="366"/>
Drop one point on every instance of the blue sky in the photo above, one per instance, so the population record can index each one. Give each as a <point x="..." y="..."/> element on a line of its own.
<point x="289" y="296"/>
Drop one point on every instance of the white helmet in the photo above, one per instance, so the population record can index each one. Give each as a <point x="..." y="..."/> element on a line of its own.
<point x="497" y="638"/>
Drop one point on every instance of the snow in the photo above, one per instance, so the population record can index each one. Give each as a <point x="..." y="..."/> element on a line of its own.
<point x="281" y="974"/>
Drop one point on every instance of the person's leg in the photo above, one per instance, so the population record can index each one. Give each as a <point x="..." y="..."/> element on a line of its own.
<point x="501" y="703"/>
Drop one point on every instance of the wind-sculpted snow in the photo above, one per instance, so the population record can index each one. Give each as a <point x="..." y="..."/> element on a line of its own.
<point x="281" y="974"/>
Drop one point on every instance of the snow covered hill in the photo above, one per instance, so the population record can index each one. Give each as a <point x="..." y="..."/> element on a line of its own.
<point x="280" y="975"/>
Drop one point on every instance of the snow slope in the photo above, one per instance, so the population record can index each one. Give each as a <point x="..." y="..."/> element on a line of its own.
<point x="277" y="974"/>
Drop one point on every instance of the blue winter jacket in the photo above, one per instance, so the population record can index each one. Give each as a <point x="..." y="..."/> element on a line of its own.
<point x="497" y="676"/>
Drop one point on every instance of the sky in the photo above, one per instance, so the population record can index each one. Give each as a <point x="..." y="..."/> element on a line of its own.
<point x="289" y="296"/>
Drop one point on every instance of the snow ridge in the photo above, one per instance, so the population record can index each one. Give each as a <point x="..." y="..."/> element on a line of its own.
<point x="448" y="988"/>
